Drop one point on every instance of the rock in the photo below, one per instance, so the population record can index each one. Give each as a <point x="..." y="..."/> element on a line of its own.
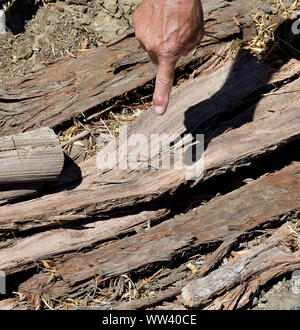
<point x="254" y="301"/>
<point x="128" y="7"/>
<point x="108" y="27"/>
<point x="296" y="274"/>
<point x="296" y="286"/>
<point x="133" y="4"/>
<point x="111" y="5"/>
<point x="124" y="10"/>
<point x="263" y="300"/>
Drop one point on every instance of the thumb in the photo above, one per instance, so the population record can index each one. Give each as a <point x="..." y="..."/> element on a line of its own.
<point x="163" y="85"/>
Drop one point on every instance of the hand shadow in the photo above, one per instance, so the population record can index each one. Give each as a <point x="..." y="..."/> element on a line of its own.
<point x="235" y="103"/>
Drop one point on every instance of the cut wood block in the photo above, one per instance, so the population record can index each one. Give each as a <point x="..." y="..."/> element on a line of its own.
<point x="34" y="156"/>
<point x="232" y="285"/>
<point x="266" y="200"/>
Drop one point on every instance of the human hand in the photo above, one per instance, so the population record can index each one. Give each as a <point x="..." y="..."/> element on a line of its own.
<point x="167" y="29"/>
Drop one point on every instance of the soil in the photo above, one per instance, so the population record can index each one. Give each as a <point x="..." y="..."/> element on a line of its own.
<point x="45" y="30"/>
<point x="42" y="31"/>
<point x="281" y="295"/>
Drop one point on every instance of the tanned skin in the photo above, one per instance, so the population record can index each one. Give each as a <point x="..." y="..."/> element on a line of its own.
<point x="167" y="29"/>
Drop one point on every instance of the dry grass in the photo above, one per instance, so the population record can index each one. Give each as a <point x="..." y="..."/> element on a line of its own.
<point x="266" y="24"/>
<point x="125" y="289"/>
<point x="84" y="136"/>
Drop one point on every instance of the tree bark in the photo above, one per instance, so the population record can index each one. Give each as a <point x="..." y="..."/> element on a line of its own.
<point x="232" y="285"/>
<point x="275" y="197"/>
<point x="70" y="87"/>
<point x="102" y="194"/>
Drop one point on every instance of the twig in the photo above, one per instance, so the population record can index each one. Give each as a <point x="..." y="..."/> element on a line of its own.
<point x="75" y="138"/>
<point x="129" y="33"/>
<point x="45" y="302"/>
<point x="115" y="117"/>
<point x="106" y="127"/>
<point x="140" y="303"/>
<point x="99" y="113"/>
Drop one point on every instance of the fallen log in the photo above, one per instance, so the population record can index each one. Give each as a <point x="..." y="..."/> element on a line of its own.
<point x="233" y="284"/>
<point x="275" y="197"/>
<point x="70" y="87"/>
<point x="102" y="194"/>
<point x="26" y="160"/>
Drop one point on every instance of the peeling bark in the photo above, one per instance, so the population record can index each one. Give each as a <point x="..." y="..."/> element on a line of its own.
<point x="233" y="284"/>
<point x="70" y="87"/>
<point x="274" y="196"/>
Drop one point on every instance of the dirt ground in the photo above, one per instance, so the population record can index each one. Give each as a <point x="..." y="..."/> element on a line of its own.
<point x="45" y="30"/>
<point x="282" y="295"/>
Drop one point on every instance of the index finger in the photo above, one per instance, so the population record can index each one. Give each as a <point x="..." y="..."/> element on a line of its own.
<point x="163" y="85"/>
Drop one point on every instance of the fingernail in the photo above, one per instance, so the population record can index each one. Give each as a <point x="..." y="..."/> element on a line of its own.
<point x="159" y="110"/>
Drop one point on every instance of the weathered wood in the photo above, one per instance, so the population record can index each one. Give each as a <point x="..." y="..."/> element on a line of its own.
<point x="34" y="156"/>
<point x="231" y="285"/>
<point x="138" y="303"/>
<point x="274" y="197"/>
<point x="101" y="194"/>
<point x="27" y="161"/>
<point x="69" y="87"/>
<point x="21" y="254"/>
<point x="16" y="191"/>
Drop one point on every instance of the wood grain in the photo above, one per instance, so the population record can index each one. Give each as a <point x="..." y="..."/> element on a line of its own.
<point x="33" y="156"/>
<point x="274" y="197"/>
<point x="232" y="285"/>
<point x="70" y="87"/>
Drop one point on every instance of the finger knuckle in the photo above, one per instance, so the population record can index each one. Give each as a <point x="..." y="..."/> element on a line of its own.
<point x="163" y="81"/>
<point x="157" y="99"/>
<point x="170" y="50"/>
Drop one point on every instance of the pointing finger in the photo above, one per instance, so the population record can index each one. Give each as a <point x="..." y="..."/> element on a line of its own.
<point x="163" y="85"/>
